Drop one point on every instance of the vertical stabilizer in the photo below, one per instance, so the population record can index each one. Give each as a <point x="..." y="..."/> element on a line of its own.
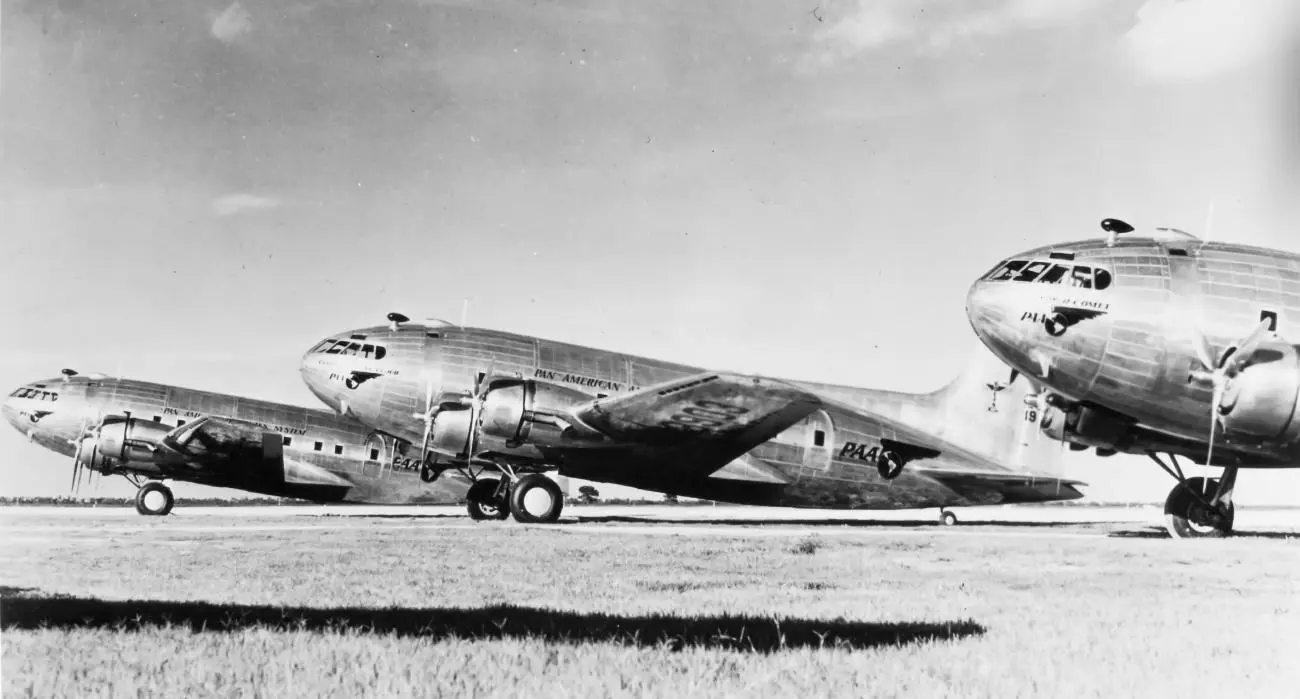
<point x="995" y="412"/>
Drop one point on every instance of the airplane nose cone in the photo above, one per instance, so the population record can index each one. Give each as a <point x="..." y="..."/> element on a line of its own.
<point x="982" y="311"/>
<point x="314" y="370"/>
<point x="994" y="311"/>
<point x="10" y="412"/>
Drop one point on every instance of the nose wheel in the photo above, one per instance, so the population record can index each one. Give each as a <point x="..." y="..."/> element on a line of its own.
<point x="154" y="499"/>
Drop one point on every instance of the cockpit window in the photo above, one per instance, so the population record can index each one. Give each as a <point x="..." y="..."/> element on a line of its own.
<point x="351" y="348"/>
<point x="1031" y="271"/>
<point x="1048" y="272"/>
<point x="1007" y="270"/>
<point x="1053" y="275"/>
<point x="35" y="394"/>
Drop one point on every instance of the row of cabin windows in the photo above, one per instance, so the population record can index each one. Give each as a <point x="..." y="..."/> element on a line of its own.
<point x="316" y="446"/>
<point x="1047" y="272"/>
<point x="338" y="448"/>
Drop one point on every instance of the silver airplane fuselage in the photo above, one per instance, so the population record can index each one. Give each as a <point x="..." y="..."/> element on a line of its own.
<point x="388" y="377"/>
<point x="363" y="466"/>
<point x="1125" y="328"/>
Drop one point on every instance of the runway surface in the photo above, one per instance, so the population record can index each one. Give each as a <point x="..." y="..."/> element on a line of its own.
<point x="296" y="601"/>
<point x="723" y="521"/>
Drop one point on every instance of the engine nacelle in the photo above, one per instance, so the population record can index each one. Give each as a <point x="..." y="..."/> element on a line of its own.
<point x="1261" y="401"/>
<point x="515" y="410"/>
<point x="216" y="450"/>
<point x="517" y="415"/>
<point x="122" y="442"/>
<point x="1086" y="426"/>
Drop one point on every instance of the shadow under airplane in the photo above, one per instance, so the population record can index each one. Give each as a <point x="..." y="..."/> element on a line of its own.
<point x="22" y="609"/>
<point x="823" y="522"/>
<point x="1161" y="533"/>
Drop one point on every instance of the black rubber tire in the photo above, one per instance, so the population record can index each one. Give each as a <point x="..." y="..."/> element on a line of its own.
<point x="145" y="490"/>
<point x="947" y="519"/>
<point x="481" y="503"/>
<point x="530" y="484"/>
<point x="1182" y="509"/>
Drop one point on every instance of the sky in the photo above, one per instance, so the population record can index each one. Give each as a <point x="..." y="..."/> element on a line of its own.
<point x="196" y="192"/>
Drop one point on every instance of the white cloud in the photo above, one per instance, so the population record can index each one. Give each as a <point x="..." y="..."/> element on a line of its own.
<point x="232" y="204"/>
<point x="232" y="23"/>
<point x="1200" y="38"/>
<point x="866" y="24"/>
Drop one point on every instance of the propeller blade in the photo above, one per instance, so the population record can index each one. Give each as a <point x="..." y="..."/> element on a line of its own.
<point x="1204" y="352"/>
<point x="1246" y="348"/>
<point x="1215" y="401"/>
<point x="481" y="382"/>
<point x="428" y="417"/>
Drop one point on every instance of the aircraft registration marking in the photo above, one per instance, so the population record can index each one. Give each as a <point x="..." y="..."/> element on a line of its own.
<point x="704" y="416"/>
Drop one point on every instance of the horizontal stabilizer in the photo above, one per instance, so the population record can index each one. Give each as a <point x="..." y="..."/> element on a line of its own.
<point x="750" y="469"/>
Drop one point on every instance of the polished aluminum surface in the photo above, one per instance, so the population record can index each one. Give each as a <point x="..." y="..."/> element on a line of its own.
<point x="816" y="445"/>
<point x="1132" y="347"/>
<point x="377" y="469"/>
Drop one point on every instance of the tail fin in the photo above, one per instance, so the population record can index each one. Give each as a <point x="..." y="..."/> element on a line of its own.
<point x="985" y="410"/>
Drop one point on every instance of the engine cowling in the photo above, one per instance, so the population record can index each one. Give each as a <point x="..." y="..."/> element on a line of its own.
<point x="122" y="442"/>
<point x="1261" y="401"/>
<point x="516" y="416"/>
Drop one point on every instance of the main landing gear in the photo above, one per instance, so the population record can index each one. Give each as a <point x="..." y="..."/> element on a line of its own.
<point x="154" y="499"/>
<point x="947" y="518"/>
<point x="533" y="498"/>
<point x="1197" y="507"/>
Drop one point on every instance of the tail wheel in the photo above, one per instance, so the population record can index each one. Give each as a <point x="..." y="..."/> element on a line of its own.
<point x="483" y="503"/>
<point x="536" y="498"/>
<point x="1187" y="517"/>
<point x="154" y="499"/>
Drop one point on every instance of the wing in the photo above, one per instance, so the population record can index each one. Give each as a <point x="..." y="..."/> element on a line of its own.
<point x="243" y="452"/>
<point x="710" y="419"/>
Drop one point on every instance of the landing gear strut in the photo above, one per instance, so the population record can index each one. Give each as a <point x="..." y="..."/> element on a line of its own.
<point x="154" y="499"/>
<point x="1197" y="507"/>
<point x="947" y="518"/>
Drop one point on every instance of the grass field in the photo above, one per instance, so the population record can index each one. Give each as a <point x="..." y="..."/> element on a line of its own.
<point x="344" y="607"/>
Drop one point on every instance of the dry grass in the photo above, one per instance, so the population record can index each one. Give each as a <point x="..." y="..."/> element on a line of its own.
<point x="411" y="607"/>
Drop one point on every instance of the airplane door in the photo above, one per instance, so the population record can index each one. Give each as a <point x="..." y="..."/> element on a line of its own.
<point x="821" y="439"/>
<point x="373" y="458"/>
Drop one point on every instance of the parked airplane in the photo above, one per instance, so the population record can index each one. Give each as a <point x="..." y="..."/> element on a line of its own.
<point x="503" y="408"/>
<point x="147" y="431"/>
<point x="1157" y="343"/>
